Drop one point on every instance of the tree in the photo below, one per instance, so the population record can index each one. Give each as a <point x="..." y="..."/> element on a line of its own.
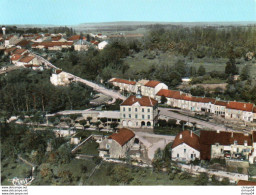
<point x="197" y="91"/>
<point x="225" y="181"/>
<point x="83" y="123"/>
<point x="202" y="179"/>
<point x="171" y="123"/>
<point x="114" y="125"/>
<point x="245" y="73"/>
<point x="104" y="120"/>
<point x="231" y="68"/>
<point x="182" y="123"/>
<point x="201" y="71"/>
<point x="163" y="99"/>
<point x="97" y="124"/>
<point x="89" y="119"/>
<point x="162" y="123"/>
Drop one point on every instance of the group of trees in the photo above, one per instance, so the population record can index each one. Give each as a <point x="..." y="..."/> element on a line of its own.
<point x="27" y="90"/>
<point x="198" y="42"/>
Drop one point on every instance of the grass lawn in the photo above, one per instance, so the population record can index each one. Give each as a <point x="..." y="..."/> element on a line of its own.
<point x="139" y="175"/>
<point x="89" y="148"/>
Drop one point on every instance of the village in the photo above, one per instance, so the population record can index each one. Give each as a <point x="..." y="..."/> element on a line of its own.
<point x="148" y="118"/>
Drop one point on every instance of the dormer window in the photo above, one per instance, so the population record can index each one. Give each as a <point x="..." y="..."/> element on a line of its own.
<point x="245" y="142"/>
<point x="235" y="142"/>
<point x="217" y="144"/>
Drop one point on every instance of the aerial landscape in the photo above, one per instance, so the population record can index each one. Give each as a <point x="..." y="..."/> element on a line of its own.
<point x="132" y="102"/>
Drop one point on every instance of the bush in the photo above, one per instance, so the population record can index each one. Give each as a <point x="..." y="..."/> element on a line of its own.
<point x="172" y="176"/>
<point x="96" y="160"/>
<point x="202" y="179"/>
<point x="225" y="181"/>
<point x="215" y="180"/>
<point x="184" y="175"/>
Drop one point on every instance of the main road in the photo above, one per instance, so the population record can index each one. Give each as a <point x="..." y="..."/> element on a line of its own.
<point x="115" y="95"/>
<point x="167" y="113"/>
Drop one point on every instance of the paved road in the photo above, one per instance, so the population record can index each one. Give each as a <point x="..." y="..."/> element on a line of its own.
<point x="167" y="113"/>
<point x="115" y="95"/>
<point x="152" y="142"/>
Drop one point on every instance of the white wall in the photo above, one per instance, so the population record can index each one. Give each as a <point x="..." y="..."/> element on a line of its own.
<point x="184" y="156"/>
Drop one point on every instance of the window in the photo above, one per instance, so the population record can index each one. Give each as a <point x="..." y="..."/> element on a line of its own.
<point x="142" y="109"/>
<point x="129" y="116"/>
<point x="237" y="150"/>
<point x="136" y="116"/>
<point x="192" y="156"/>
<point x="143" y="116"/>
<point x="107" y="146"/>
<point x="129" y="109"/>
<point x="124" y="115"/>
<point x="148" y="116"/>
<point x="148" y="109"/>
<point x="136" y="109"/>
<point x="123" y="108"/>
<point x="184" y="150"/>
<point x="235" y="142"/>
<point x="178" y="155"/>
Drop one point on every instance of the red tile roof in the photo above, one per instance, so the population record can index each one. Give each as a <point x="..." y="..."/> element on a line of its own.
<point x="240" y="106"/>
<point x="15" y="57"/>
<point x="23" y="43"/>
<point x="169" y="93"/>
<point x="208" y="138"/>
<point x="221" y="103"/>
<point x="123" y="136"/>
<point x="74" y="38"/>
<point x="152" y="84"/>
<point x="123" y="81"/>
<point x="56" y="38"/>
<point x="188" y="138"/>
<point x="19" y="51"/>
<point x="208" y="100"/>
<point x="52" y="44"/>
<point x="27" y="59"/>
<point x="246" y="183"/>
<point x="143" y="101"/>
<point x="10" y="49"/>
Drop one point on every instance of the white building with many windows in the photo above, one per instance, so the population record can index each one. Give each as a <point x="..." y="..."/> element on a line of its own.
<point x="139" y="112"/>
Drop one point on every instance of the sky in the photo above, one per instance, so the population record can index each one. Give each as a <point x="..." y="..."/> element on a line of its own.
<point x="73" y="12"/>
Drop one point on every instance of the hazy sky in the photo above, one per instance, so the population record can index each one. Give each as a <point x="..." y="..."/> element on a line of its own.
<point x="69" y="12"/>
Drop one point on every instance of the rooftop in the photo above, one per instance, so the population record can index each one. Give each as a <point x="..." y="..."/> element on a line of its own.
<point x="122" y="136"/>
<point x="143" y="101"/>
<point x="240" y="106"/>
<point x="123" y="81"/>
<point x="152" y="84"/>
<point x="188" y="138"/>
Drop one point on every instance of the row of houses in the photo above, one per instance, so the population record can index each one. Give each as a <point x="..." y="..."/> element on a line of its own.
<point x="188" y="146"/>
<point x="22" y="57"/>
<point x="232" y="110"/>
<point x="147" y="88"/>
<point x="51" y="41"/>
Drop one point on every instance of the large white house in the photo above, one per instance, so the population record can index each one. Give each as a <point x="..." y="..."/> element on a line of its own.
<point x="186" y="147"/>
<point x="152" y="87"/>
<point x="139" y="112"/>
<point x="239" y="111"/>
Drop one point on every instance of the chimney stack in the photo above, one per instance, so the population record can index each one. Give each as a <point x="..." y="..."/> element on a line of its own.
<point x="180" y="136"/>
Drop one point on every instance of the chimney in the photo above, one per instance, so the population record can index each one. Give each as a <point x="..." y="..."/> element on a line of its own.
<point x="180" y="136"/>
<point x="218" y="131"/>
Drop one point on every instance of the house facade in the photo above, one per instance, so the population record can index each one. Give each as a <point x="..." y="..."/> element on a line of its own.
<point x="186" y="147"/>
<point x="239" y="111"/>
<point x="151" y="88"/>
<point x="226" y="145"/>
<point x="117" y="145"/>
<point x="124" y="84"/>
<point x="139" y="111"/>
